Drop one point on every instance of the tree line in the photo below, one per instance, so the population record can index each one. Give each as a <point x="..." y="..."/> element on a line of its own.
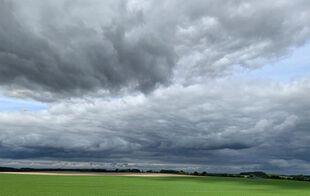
<point x="249" y="175"/>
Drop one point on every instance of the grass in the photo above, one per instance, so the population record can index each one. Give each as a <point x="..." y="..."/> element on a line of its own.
<point x="40" y="185"/>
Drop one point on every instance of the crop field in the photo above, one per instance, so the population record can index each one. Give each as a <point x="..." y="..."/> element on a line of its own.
<point x="44" y="185"/>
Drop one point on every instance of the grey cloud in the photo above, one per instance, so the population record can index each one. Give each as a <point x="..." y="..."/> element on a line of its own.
<point x="60" y="49"/>
<point x="218" y="37"/>
<point x="142" y="78"/>
<point x="70" y="59"/>
<point x="226" y="124"/>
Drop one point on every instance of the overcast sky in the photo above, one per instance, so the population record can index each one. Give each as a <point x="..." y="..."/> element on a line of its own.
<point x="215" y="85"/>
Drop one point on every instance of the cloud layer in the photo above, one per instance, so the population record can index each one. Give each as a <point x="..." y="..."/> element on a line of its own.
<point x="153" y="84"/>
<point x="59" y="49"/>
<point x="201" y="124"/>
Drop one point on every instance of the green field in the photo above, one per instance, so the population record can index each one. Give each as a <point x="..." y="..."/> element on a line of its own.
<point x="40" y="185"/>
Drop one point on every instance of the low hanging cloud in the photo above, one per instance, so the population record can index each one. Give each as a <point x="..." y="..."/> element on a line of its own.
<point x="232" y="124"/>
<point x="60" y="49"/>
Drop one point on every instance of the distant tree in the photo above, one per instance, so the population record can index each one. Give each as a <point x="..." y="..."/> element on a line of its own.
<point x="299" y="178"/>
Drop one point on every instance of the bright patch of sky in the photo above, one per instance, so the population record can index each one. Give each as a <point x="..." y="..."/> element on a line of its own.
<point x="296" y="65"/>
<point x="13" y="105"/>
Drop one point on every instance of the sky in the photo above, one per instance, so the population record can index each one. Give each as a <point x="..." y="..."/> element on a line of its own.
<point x="201" y="85"/>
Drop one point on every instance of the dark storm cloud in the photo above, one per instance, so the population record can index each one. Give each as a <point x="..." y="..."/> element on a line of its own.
<point x="67" y="59"/>
<point x="227" y="125"/>
<point x="59" y="49"/>
<point x="147" y="84"/>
